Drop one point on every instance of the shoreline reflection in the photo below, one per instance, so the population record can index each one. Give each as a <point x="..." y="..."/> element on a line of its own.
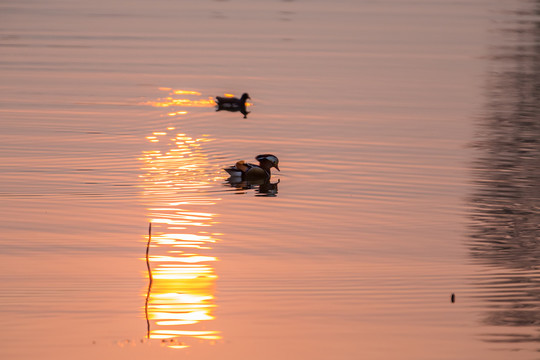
<point x="505" y="205"/>
<point x="180" y="301"/>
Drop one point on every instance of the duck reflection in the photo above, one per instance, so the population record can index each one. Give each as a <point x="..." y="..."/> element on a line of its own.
<point x="182" y="278"/>
<point x="262" y="187"/>
<point x="505" y="205"/>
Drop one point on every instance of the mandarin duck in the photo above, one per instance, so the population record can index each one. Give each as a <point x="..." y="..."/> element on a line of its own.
<point x="252" y="172"/>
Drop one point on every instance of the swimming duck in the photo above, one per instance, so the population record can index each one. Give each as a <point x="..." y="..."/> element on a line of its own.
<point x="252" y="172"/>
<point x="233" y="104"/>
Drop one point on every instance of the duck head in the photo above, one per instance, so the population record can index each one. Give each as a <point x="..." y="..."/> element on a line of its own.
<point x="268" y="161"/>
<point x="244" y="97"/>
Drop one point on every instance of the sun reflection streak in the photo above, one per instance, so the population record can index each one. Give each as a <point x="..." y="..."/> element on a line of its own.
<point x="181" y="299"/>
<point x="173" y="99"/>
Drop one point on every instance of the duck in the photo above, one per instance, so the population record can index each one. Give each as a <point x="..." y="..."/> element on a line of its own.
<point x="253" y="172"/>
<point x="233" y="104"/>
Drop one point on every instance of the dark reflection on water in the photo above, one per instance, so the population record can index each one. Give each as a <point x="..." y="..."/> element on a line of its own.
<point x="262" y="187"/>
<point x="506" y="200"/>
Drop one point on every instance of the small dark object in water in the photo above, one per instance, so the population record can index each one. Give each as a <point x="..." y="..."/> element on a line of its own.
<point x="453" y="298"/>
<point x="233" y="104"/>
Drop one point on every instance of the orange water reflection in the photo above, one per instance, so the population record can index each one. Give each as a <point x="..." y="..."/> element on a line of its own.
<point x="180" y="300"/>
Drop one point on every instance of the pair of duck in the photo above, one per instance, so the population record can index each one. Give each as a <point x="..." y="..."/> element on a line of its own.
<point x="242" y="169"/>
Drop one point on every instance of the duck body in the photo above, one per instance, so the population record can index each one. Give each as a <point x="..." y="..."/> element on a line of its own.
<point x="253" y="172"/>
<point x="233" y="104"/>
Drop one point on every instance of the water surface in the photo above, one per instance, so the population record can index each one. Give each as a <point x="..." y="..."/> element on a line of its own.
<point x="407" y="135"/>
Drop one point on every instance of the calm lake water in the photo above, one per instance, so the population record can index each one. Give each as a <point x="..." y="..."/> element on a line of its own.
<point x="408" y="134"/>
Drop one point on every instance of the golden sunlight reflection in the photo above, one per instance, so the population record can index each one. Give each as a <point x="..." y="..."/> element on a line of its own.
<point x="180" y="298"/>
<point x="177" y="98"/>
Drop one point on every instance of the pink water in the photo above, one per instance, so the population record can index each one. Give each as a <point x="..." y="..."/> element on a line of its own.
<point x="407" y="138"/>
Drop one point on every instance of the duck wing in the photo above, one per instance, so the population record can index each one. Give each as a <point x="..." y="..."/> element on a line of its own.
<point x="230" y="100"/>
<point x="233" y="171"/>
